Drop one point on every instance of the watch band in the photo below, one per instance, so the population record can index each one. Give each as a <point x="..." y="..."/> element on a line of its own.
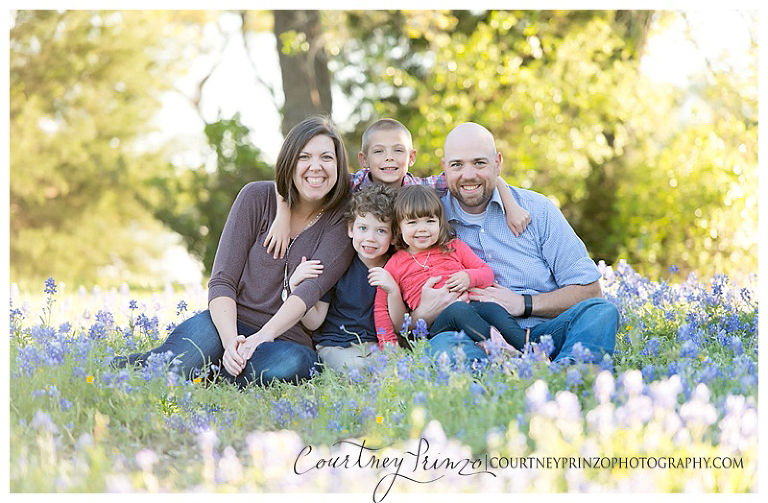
<point x="528" y="299"/>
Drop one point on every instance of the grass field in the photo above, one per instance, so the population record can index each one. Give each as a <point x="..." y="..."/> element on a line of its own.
<point x="675" y="409"/>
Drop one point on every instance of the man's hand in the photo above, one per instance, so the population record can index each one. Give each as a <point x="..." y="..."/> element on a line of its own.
<point x="434" y="300"/>
<point x="506" y="298"/>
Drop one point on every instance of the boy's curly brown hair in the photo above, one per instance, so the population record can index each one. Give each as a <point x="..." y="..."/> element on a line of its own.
<point x="376" y="200"/>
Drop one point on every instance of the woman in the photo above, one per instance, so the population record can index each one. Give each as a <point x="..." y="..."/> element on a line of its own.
<point x="251" y="328"/>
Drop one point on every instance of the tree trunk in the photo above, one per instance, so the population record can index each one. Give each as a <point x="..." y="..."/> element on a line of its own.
<point x="304" y="67"/>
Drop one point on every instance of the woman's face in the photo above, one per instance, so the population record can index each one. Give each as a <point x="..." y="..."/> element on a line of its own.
<point x="316" y="170"/>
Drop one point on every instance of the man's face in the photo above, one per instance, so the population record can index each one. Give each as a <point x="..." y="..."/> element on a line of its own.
<point x="471" y="167"/>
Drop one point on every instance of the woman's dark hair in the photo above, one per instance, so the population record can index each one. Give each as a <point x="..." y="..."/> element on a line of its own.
<point x="288" y="158"/>
<point x="416" y="201"/>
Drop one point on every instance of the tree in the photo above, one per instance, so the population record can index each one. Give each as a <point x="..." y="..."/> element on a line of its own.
<point x="303" y="65"/>
<point x="83" y="88"/>
<point x="195" y="202"/>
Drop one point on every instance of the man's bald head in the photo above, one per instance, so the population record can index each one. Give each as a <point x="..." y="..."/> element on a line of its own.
<point x="471" y="165"/>
<point x="469" y="132"/>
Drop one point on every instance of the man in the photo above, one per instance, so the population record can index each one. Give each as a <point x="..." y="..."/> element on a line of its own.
<point x="544" y="277"/>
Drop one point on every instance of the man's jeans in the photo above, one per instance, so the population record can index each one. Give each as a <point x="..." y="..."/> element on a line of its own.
<point x="592" y="322"/>
<point x="196" y="343"/>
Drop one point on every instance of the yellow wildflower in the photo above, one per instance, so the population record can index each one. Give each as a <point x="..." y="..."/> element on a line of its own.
<point x="89" y="379"/>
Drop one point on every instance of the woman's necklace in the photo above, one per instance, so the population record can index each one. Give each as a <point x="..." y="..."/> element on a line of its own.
<point x="284" y="293"/>
<point x="426" y="260"/>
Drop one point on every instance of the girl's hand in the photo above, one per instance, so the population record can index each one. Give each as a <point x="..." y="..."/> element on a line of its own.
<point x="378" y="276"/>
<point x="458" y="282"/>
<point x="306" y="270"/>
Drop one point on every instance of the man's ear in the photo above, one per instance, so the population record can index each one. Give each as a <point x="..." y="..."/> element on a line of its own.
<point x="362" y="159"/>
<point x="498" y="163"/>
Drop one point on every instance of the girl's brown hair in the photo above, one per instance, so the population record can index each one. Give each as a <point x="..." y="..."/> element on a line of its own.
<point x="288" y="158"/>
<point x="417" y="201"/>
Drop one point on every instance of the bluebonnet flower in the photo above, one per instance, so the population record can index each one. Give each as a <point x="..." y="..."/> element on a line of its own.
<point x="403" y="368"/>
<point x="475" y="389"/>
<point x="419" y="398"/>
<point x="97" y="331"/>
<point x="547" y="344"/>
<point x="367" y="413"/>
<point x="50" y="286"/>
<point x="709" y="372"/>
<point x="406" y="324"/>
<point x="606" y="363"/>
<point x="736" y="345"/>
<point x="673" y="269"/>
<point x="580" y="353"/>
<point x="420" y="331"/>
<point x="673" y="368"/>
<point x="307" y="409"/>
<point x="573" y="377"/>
<point x="651" y="347"/>
<point x="689" y="350"/>
<point x="65" y="404"/>
<point x="133" y="305"/>
<point x="181" y="307"/>
<point x="105" y="317"/>
<point x="355" y="375"/>
<point x="64" y="328"/>
<point x="282" y="411"/>
<point x="333" y="425"/>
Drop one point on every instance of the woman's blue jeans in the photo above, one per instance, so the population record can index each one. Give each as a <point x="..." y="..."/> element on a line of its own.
<point x="475" y="320"/>
<point x="196" y="343"/>
<point x="592" y="322"/>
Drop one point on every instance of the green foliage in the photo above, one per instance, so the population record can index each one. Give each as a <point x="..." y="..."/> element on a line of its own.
<point x="195" y="202"/>
<point x="576" y="120"/>
<point x="83" y="88"/>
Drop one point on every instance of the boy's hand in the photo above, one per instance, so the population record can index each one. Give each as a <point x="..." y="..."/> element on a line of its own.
<point x="458" y="282"/>
<point x="378" y="276"/>
<point x="518" y="219"/>
<point x="306" y="270"/>
<point x="279" y="234"/>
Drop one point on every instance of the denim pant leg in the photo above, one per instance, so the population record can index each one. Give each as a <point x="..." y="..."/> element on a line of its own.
<point x="592" y="322"/>
<point x="458" y="317"/>
<point x="277" y="360"/>
<point x="504" y="322"/>
<point x="449" y="342"/>
<point x="193" y="344"/>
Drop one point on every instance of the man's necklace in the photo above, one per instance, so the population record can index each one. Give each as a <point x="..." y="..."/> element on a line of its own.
<point x="426" y="260"/>
<point x="284" y="293"/>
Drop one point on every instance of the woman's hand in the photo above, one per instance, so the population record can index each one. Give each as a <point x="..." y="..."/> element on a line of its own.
<point x="232" y="360"/>
<point x="249" y="345"/>
<point x="306" y="270"/>
<point x="458" y="282"/>
<point x="378" y="276"/>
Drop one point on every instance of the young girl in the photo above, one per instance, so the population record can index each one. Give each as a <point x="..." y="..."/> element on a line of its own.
<point x="427" y="248"/>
